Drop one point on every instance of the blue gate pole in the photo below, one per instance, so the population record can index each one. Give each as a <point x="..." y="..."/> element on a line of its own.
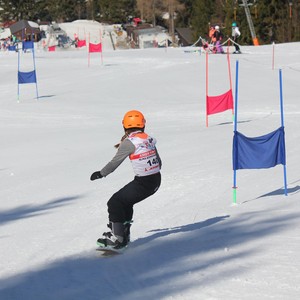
<point x="282" y="125"/>
<point x="235" y="123"/>
<point x="33" y="56"/>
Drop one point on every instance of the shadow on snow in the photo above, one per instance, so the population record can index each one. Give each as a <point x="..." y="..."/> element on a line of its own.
<point x="152" y="267"/>
<point x="28" y="211"/>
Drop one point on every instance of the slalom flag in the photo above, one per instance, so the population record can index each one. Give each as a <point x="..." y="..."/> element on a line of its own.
<point x="261" y="152"/>
<point x="81" y="43"/>
<point x="12" y="48"/>
<point x="217" y="104"/>
<point x="26" y="77"/>
<point x="27" y="45"/>
<point x="220" y="103"/>
<point x="51" y="48"/>
<point x="95" y="47"/>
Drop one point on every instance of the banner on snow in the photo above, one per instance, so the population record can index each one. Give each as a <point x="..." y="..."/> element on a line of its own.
<point x="95" y="47"/>
<point x="217" y="104"/>
<point x="261" y="152"/>
<point x="27" y="77"/>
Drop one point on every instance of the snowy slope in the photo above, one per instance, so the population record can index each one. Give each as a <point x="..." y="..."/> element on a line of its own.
<point x="188" y="240"/>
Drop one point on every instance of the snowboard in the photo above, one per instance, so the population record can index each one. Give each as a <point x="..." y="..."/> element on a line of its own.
<point x="110" y="251"/>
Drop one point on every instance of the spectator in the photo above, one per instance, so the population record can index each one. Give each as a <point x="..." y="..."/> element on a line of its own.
<point x="235" y="35"/>
<point x="218" y="35"/>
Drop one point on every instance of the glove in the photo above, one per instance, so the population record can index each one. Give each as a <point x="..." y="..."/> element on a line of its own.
<point x="96" y="175"/>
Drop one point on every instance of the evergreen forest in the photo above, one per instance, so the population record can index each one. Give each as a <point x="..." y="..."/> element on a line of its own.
<point x="273" y="20"/>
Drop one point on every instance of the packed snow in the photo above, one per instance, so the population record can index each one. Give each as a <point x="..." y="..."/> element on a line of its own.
<point x="189" y="240"/>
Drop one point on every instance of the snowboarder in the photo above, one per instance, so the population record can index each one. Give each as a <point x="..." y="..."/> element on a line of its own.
<point x="146" y="164"/>
<point x="235" y="33"/>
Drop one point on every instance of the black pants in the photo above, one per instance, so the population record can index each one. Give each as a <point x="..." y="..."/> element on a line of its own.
<point x="120" y="205"/>
<point x="237" y="47"/>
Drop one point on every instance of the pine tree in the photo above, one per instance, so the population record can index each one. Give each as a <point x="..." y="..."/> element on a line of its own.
<point x="16" y="10"/>
<point x="184" y="17"/>
<point x="200" y="18"/>
<point x="116" y="11"/>
<point x="274" y="20"/>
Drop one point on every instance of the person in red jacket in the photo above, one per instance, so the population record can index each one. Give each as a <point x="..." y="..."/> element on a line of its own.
<point x="146" y="163"/>
<point x="211" y="35"/>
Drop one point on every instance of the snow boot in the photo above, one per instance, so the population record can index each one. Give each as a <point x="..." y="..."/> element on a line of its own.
<point x="127" y="226"/>
<point x="115" y="238"/>
<point x="109" y="225"/>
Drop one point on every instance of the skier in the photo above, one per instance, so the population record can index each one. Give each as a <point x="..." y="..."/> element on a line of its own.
<point x="146" y="164"/>
<point x="235" y="32"/>
<point x="218" y="36"/>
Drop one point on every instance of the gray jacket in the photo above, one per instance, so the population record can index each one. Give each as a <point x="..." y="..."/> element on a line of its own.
<point x="125" y="149"/>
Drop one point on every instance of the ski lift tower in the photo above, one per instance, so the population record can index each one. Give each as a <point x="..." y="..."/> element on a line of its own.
<point x="250" y="23"/>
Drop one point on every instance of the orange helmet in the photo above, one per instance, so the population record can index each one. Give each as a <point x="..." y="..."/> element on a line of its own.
<point x="134" y="119"/>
